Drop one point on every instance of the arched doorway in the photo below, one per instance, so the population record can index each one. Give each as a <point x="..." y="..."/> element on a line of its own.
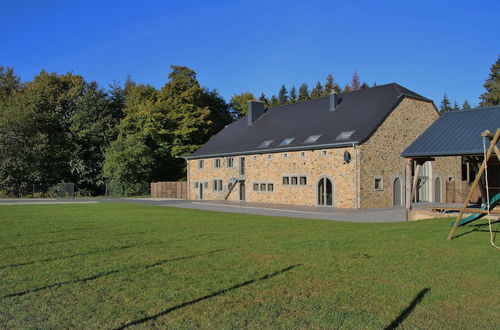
<point x="437" y="190"/>
<point x="396" y="192"/>
<point x="325" y="192"/>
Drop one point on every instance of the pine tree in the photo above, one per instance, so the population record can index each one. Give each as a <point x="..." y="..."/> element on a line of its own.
<point x="445" y="104"/>
<point x="303" y="93"/>
<point x="364" y="85"/>
<point x="263" y="98"/>
<point x="455" y="106"/>
<point x="283" y="95"/>
<point x="355" y="83"/>
<point x="466" y="105"/>
<point x="317" y="91"/>
<point x="492" y="86"/>
<point x="293" y="95"/>
<point x="347" y="89"/>
<point x="329" y="85"/>
<point x="274" y="102"/>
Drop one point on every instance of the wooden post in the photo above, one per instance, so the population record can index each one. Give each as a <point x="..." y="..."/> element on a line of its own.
<point x="493" y="143"/>
<point x="415" y="179"/>
<point x="408" y="164"/>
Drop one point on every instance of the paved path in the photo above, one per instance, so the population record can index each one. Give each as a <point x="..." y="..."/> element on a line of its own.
<point x="325" y="213"/>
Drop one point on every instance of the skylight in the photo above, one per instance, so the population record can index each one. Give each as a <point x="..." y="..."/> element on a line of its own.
<point x="286" y="142"/>
<point x="312" y="138"/>
<point x="265" y="144"/>
<point x="344" y="135"/>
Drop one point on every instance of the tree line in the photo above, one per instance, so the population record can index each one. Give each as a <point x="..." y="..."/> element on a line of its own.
<point x="62" y="128"/>
<point x="238" y="102"/>
<point x="490" y="97"/>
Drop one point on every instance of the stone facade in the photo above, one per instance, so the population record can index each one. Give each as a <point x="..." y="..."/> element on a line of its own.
<point x="380" y="156"/>
<point x="271" y="168"/>
<point x="354" y="182"/>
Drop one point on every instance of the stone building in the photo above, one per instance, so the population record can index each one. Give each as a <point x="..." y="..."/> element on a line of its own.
<point x="343" y="150"/>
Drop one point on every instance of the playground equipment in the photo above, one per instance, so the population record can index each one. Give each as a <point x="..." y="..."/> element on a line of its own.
<point x="488" y="208"/>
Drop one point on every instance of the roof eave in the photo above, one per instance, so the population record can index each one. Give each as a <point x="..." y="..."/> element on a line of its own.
<point x="276" y="150"/>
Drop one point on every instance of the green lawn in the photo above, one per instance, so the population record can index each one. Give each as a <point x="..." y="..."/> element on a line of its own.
<point x="114" y="265"/>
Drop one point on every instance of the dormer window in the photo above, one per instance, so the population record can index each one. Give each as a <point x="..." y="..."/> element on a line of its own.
<point x="312" y="139"/>
<point x="286" y="142"/>
<point x="266" y="144"/>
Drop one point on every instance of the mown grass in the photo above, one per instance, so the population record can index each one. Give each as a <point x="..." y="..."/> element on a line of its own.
<point x="118" y="265"/>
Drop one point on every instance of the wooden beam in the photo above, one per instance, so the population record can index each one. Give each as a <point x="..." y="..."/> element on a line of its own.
<point x="475" y="183"/>
<point x="408" y="164"/>
<point x="467" y="210"/>
<point x="415" y="180"/>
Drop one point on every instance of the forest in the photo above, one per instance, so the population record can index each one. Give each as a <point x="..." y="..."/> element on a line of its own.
<point x="61" y="128"/>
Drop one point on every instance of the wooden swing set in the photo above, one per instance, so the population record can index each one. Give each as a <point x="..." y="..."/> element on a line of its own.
<point x="483" y="169"/>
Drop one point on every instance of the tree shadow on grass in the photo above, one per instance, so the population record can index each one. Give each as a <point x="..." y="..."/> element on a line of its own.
<point x="103" y="274"/>
<point x="407" y="311"/>
<point x="68" y="257"/>
<point x="212" y="295"/>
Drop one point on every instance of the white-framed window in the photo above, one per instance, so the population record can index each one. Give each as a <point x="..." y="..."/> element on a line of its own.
<point x="206" y="185"/>
<point x="302" y="154"/>
<point x="294" y="181"/>
<point x="217" y="163"/>
<point x="379" y="183"/>
<point x="201" y="163"/>
<point x="255" y="157"/>
<point x="286" y="180"/>
<point x="285" y="155"/>
<point x="196" y="184"/>
<point x="255" y="186"/>
<point x="263" y="187"/>
<point x="218" y="185"/>
<point x="229" y="162"/>
<point x="269" y="156"/>
<point x="303" y="180"/>
<point x="324" y="153"/>
<point x="270" y="187"/>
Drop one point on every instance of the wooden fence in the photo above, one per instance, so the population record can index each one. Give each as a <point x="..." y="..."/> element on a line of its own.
<point x="169" y="189"/>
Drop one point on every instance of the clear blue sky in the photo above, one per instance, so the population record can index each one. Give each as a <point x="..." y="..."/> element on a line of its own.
<point x="431" y="46"/>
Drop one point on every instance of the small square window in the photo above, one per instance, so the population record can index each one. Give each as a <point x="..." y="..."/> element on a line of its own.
<point x="217" y="163"/>
<point x="294" y="180"/>
<point x="206" y="185"/>
<point x="201" y="163"/>
<point x="262" y="187"/>
<point x="303" y="180"/>
<point x="270" y="187"/>
<point x="285" y="156"/>
<point x="286" y="180"/>
<point x="230" y="162"/>
<point x="269" y="156"/>
<point x="196" y="184"/>
<point x="379" y="184"/>
<point x="255" y="187"/>
<point x="254" y="157"/>
<point x="302" y="154"/>
<point x="324" y="152"/>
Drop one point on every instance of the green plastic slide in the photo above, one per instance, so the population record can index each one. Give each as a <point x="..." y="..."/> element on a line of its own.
<point x="475" y="216"/>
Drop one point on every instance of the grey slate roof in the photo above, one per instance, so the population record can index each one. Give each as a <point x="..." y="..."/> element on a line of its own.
<point x="456" y="133"/>
<point x="360" y="111"/>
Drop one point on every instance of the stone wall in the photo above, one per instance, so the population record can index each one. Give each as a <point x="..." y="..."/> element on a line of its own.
<point x="270" y="169"/>
<point x="381" y="157"/>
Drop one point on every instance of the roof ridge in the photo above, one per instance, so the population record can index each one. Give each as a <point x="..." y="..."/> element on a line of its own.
<point x="490" y="107"/>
